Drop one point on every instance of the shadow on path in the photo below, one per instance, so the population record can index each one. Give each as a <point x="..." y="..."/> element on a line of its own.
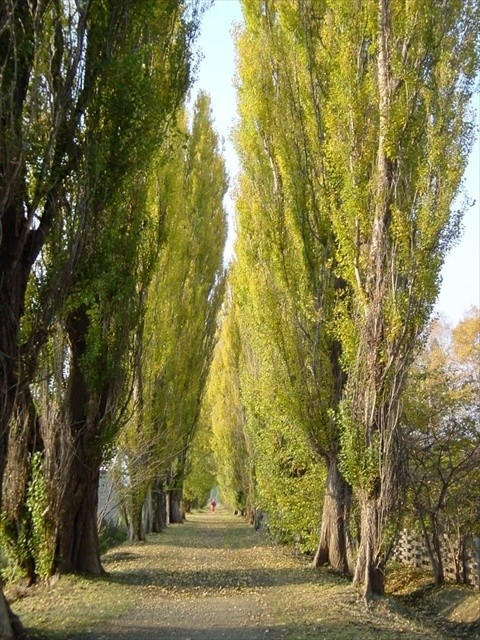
<point x="214" y="579"/>
<point x="207" y="533"/>
<point x="322" y="631"/>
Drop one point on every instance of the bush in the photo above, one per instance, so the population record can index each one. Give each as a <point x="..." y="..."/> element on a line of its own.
<point x="111" y="535"/>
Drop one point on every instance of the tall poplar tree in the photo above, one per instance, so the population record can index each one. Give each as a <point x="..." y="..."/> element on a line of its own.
<point x="127" y="126"/>
<point x="286" y="238"/>
<point x="50" y="64"/>
<point x="397" y="136"/>
<point x="182" y="306"/>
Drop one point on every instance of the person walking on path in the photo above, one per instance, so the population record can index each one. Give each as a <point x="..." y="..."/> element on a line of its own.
<point x="213" y="504"/>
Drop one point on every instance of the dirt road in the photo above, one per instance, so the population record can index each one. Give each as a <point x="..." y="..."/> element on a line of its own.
<point x="215" y="578"/>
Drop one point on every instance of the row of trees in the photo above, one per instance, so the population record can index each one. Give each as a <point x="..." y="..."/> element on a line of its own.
<point x="266" y="470"/>
<point x="353" y="137"/>
<point x="177" y="336"/>
<point x="112" y="231"/>
<point x="111" y="274"/>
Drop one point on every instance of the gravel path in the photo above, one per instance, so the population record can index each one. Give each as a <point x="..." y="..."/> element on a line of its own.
<point x="204" y="580"/>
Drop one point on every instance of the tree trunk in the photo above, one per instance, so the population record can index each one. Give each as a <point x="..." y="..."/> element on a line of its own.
<point x="13" y="281"/>
<point x="154" y="509"/>
<point x="434" y="549"/>
<point x="77" y="545"/>
<point x="332" y="547"/>
<point x="16" y="60"/>
<point x="167" y="507"/>
<point x="10" y="626"/>
<point x="158" y="516"/>
<point x="376" y="397"/>
<point x="25" y="440"/>
<point x="147" y="510"/>
<point x="140" y="491"/>
<point x="463" y="554"/>
<point x="136" y="529"/>
<point x="370" y="567"/>
<point x="74" y="465"/>
<point x="176" y="508"/>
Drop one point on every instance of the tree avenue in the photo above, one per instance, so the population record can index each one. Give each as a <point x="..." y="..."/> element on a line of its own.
<point x="295" y="383"/>
<point x="180" y="321"/>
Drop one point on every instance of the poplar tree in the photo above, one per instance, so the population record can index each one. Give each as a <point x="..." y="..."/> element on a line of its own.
<point x="129" y="123"/>
<point x="182" y="304"/>
<point x="286" y="238"/>
<point x="397" y="136"/>
<point x="49" y="68"/>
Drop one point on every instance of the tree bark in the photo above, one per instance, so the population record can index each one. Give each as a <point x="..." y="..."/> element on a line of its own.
<point x="176" y="508"/>
<point x="332" y="547"/>
<point x="10" y="626"/>
<point x="158" y="517"/>
<point x="140" y="493"/>
<point x="137" y="529"/>
<point x="16" y="59"/>
<point x="77" y="545"/>
<point x="434" y="550"/>
<point x="75" y="465"/>
<point x="25" y="441"/>
<point x="167" y="507"/>
<point x="376" y="401"/>
<point x="147" y="510"/>
<point x="370" y="567"/>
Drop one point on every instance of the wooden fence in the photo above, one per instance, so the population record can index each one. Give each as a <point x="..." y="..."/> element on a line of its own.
<point x="410" y="549"/>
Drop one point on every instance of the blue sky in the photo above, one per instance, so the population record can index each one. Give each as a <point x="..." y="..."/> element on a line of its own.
<point x="461" y="273"/>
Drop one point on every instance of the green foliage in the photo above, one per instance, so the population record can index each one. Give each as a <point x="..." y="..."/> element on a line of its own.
<point x="41" y="540"/>
<point x="358" y="460"/>
<point x="200" y="469"/>
<point x="224" y="410"/>
<point x="129" y="122"/>
<point x="14" y="549"/>
<point x="287" y="480"/>
<point x="284" y="283"/>
<point x="33" y="537"/>
<point x="182" y="302"/>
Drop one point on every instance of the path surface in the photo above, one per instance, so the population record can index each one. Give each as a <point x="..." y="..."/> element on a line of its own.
<point x="215" y="578"/>
<point x="206" y="581"/>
